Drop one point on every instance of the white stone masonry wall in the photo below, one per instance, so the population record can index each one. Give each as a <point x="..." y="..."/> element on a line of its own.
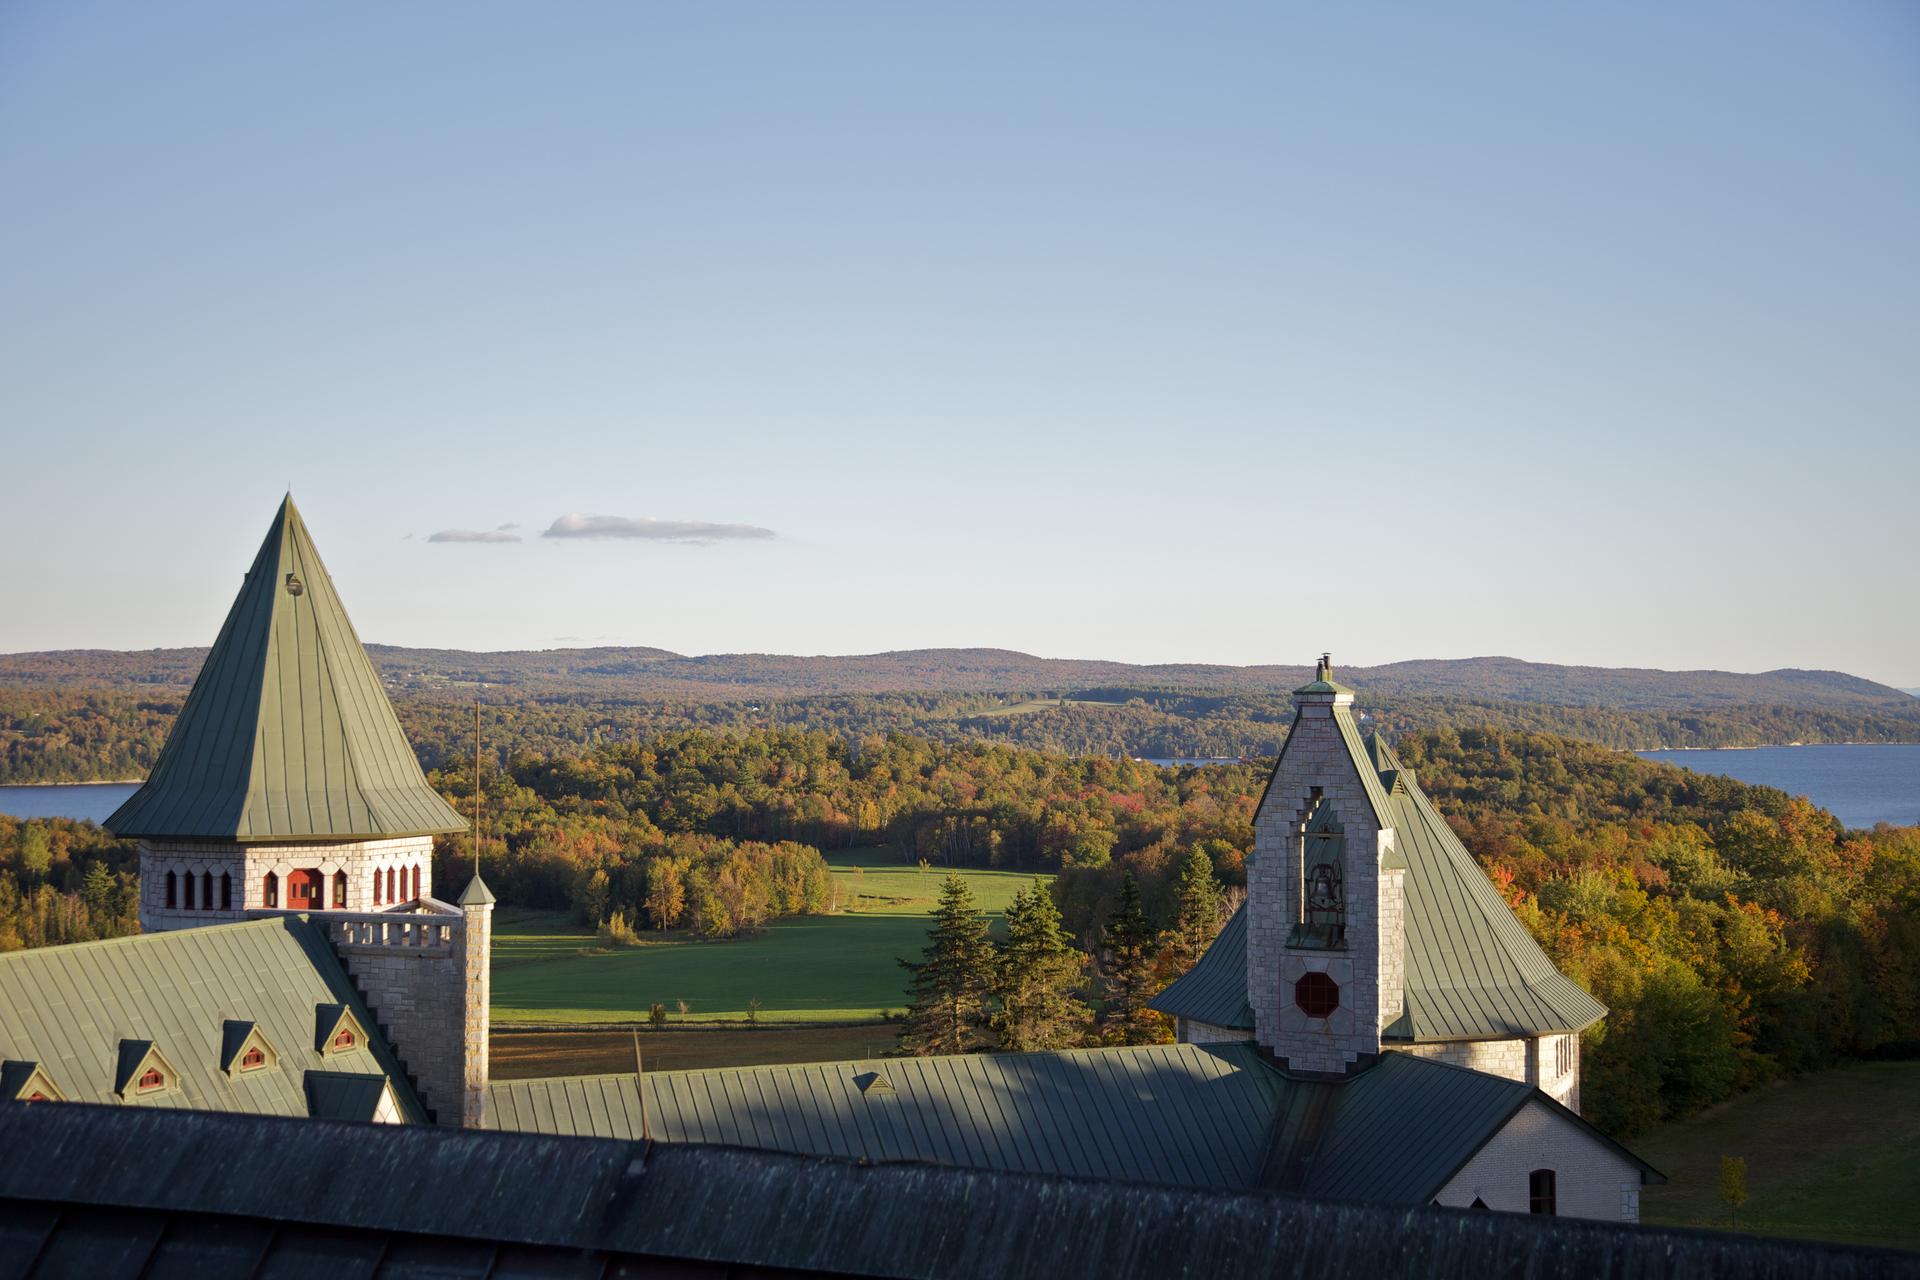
<point x="1592" y="1180"/>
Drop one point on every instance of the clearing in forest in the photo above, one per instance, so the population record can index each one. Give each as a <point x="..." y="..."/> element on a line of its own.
<point x="838" y="968"/>
<point x="1830" y="1156"/>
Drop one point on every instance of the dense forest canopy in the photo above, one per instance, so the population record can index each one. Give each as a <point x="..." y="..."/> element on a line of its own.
<point x="55" y="730"/>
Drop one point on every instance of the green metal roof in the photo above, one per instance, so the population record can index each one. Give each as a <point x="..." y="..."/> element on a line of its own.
<point x="1473" y="970"/>
<point x="1214" y="991"/>
<point x="1181" y="1114"/>
<point x="287" y="733"/>
<point x="86" y="1013"/>
<point x="1216" y="1116"/>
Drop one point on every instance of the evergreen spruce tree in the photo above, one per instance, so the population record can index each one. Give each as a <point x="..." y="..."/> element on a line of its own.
<point x="1132" y="951"/>
<point x="1038" y="971"/>
<point x="948" y="1012"/>
<point x="1198" y="916"/>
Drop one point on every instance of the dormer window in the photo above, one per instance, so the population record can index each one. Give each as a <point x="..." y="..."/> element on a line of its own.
<point x="343" y="1039"/>
<point x="253" y="1059"/>
<point x="142" y="1069"/>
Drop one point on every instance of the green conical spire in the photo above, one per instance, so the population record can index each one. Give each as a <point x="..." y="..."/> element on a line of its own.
<point x="287" y="733"/>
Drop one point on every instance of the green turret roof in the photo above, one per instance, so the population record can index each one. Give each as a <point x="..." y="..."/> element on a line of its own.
<point x="287" y="733"/>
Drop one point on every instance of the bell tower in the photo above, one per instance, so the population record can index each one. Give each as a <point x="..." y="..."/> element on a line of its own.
<point x="1325" y="888"/>
<point x="286" y="783"/>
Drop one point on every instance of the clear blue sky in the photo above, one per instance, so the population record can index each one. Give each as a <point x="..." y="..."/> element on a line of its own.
<point x="1583" y="333"/>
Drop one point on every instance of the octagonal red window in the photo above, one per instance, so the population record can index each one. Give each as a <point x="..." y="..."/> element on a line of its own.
<point x="1316" y="994"/>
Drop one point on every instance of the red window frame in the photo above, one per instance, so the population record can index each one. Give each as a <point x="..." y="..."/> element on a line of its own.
<point x="253" y="1059"/>
<point x="344" y="1039"/>
<point x="150" y="1079"/>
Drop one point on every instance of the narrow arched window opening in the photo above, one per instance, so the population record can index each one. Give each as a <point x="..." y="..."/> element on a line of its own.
<point x="340" y="890"/>
<point x="206" y="890"/>
<point x="416" y="879"/>
<point x="189" y="878"/>
<point x="270" y="890"/>
<point x="226" y="891"/>
<point x="1541" y="1192"/>
<point x="393" y="895"/>
<point x="172" y="891"/>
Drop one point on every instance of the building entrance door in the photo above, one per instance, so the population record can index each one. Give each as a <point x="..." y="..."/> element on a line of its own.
<point x="303" y="891"/>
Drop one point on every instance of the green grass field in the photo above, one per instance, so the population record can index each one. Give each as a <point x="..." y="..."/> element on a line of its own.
<point x="1831" y="1156"/>
<point x="546" y="969"/>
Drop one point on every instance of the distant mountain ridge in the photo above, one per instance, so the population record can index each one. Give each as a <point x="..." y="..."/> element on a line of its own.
<point x="641" y="672"/>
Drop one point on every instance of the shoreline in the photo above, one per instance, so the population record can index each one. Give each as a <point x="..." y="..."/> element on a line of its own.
<point x="96" y="782"/>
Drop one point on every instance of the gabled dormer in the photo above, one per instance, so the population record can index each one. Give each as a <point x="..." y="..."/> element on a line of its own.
<point x="142" y="1071"/>
<point x="337" y="1031"/>
<point x="27" y="1082"/>
<point x="245" y="1050"/>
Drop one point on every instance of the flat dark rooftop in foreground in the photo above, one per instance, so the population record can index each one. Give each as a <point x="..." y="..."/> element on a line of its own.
<point x="113" y="1192"/>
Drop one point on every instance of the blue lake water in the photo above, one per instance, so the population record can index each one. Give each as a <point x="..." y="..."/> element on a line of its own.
<point x="93" y="800"/>
<point x="1861" y="784"/>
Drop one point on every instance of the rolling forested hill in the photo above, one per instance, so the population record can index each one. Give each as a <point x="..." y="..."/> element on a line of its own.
<point x="79" y="715"/>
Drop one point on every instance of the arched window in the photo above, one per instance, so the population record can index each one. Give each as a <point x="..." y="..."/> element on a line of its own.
<point x="270" y="890"/>
<point x="416" y="879"/>
<point x="1322" y="920"/>
<point x="151" y="1079"/>
<point x="226" y="891"/>
<point x="1540" y="1192"/>
<point x="340" y="890"/>
<point x="206" y="890"/>
<point x="376" y="889"/>
<point x="392" y="893"/>
<point x="343" y="1040"/>
<point x="188" y="878"/>
<point x="172" y="892"/>
<point x="253" y="1059"/>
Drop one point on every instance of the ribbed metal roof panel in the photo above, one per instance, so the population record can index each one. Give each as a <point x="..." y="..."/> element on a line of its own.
<point x="1400" y="1130"/>
<point x="287" y="733"/>
<point x="69" y="1008"/>
<point x="1473" y="971"/>
<point x="1187" y="1115"/>
<point x="1214" y="991"/>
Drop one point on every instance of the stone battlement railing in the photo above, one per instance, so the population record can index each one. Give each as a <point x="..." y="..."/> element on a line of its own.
<point x="424" y="927"/>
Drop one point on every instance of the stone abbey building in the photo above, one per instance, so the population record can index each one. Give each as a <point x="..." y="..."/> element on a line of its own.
<point x="1374" y="1025"/>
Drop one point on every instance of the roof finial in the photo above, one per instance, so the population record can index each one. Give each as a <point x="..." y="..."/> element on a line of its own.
<point x="1325" y="671"/>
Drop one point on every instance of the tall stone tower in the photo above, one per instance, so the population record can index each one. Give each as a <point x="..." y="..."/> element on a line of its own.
<point x="286" y="783"/>
<point x="1325" y="894"/>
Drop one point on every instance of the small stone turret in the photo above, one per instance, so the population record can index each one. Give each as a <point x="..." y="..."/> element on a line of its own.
<point x="476" y="905"/>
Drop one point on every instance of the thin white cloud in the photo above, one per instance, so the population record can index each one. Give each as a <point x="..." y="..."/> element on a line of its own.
<point x="581" y="526"/>
<point x="508" y="525"/>
<point x="474" y="535"/>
